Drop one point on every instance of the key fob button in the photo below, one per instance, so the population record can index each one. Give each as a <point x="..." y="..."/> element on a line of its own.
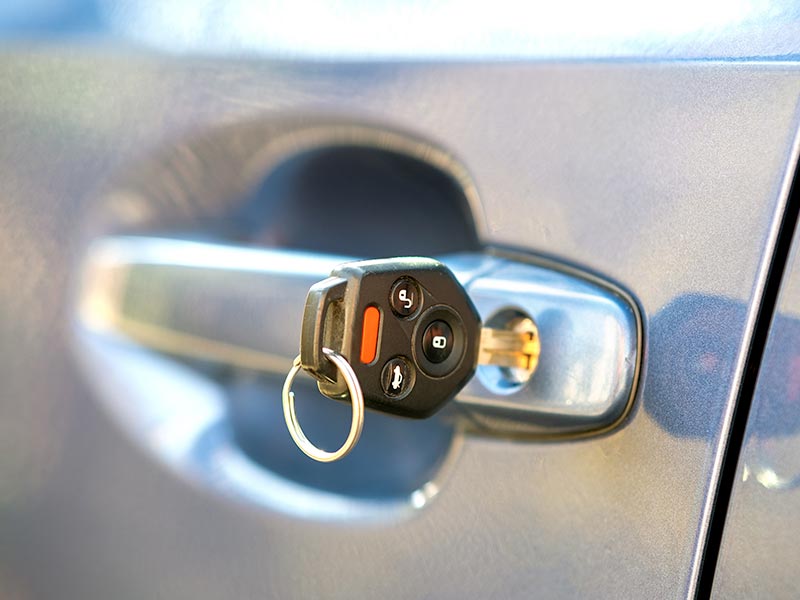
<point x="437" y="341"/>
<point x="405" y="297"/>
<point x="397" y="377"/>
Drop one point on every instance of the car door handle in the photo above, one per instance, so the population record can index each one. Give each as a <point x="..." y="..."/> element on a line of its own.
<point x="155" y="318"/>
<point x="242" y="306"/>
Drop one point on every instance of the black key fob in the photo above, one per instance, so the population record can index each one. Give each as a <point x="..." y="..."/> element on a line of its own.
<point x="406" y="326"/>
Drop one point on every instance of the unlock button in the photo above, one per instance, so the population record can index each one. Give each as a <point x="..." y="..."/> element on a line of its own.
<point x="405" y="297"/>
<point x="437" y="342"/>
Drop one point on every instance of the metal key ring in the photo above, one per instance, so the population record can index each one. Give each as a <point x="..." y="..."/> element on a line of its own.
<point x="356" y="399"/>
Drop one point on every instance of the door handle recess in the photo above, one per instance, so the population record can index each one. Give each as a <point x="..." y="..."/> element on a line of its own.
<point x="243" y="306"/>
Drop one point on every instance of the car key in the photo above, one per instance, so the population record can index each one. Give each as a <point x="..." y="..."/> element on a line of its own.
<point x="398" y="335"/>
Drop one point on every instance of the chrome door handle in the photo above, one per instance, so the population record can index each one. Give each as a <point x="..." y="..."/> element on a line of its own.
<point x="243" y="307"/>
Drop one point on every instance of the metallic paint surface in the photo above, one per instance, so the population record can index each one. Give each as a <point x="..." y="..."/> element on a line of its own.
<point x="760" y="546"/>
<point x="667" y="177"/>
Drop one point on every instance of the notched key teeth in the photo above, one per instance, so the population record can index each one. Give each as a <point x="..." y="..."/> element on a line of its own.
<point x="517" y="346"/>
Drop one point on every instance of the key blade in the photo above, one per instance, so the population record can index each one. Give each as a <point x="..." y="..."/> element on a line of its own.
<point x="516" y="347"/>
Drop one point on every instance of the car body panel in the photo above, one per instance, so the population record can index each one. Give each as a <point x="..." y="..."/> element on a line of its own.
<point x="669" y="179"/>
<point x="760" y="545"/>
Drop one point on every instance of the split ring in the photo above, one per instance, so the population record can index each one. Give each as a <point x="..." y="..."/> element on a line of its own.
<point x="356" y="399"/>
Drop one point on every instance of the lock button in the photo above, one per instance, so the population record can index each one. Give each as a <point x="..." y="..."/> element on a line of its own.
<point x="437" y="341"/>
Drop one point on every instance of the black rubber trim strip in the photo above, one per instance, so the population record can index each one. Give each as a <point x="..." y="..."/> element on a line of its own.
<point x="744" y="399"/>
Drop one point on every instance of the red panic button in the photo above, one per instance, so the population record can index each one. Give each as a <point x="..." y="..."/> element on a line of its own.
<point x="369" y="334"/>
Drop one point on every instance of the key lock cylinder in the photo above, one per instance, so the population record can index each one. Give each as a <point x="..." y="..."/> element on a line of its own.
<point x="396" y="335"/>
